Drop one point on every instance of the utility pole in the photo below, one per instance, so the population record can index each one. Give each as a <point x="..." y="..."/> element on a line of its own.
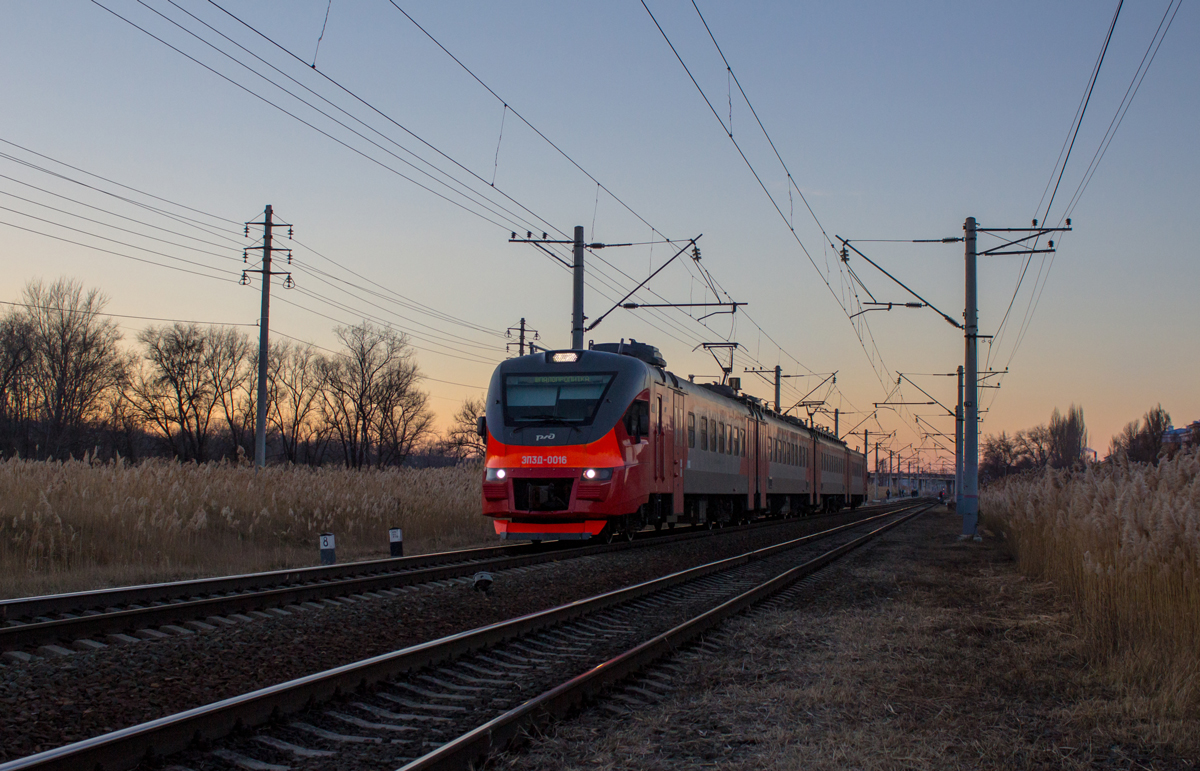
<point x="522" y="329"/>
<point x="577" y="305"/>
<point x="260" y="418"/>
<point x="779" y="376"/>
<point x="958" y="444"/>
<point x="576" y="267"/>
<point x="877" y="469"/>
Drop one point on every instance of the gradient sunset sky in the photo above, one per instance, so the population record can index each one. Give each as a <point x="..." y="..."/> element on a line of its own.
<point x="896" y="120"/>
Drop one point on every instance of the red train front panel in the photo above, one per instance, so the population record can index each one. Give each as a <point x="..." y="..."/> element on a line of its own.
<point x="570" y="444"/>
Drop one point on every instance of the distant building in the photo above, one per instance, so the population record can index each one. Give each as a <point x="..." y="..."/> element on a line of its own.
<point x="1176" y="439"/>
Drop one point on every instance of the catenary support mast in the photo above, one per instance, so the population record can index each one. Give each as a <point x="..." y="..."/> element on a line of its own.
<point x="577" y="305"/>
<point x="970" y="465"/>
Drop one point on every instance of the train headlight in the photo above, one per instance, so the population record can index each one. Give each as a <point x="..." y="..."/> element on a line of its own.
<point x="597" y="474"/>
<point x="495" y="475"/>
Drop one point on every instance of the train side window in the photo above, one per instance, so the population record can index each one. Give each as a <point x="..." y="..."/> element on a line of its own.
<point x="703" y="433"/>
<point x="737" y="441"/>
<point x="721" y="437"/>
<point x="712" y="435"/>
<point x="691" y="429"/>
<point x="637" y="419"/>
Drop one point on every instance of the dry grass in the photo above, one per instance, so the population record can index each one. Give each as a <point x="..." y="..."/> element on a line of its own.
<point x="76" y="525"/>
<point x="1124" y="544"/>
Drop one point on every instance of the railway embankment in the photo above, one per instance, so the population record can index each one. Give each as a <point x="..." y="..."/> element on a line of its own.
<point x="51" y="701"/>
<point x="919" y="651"/>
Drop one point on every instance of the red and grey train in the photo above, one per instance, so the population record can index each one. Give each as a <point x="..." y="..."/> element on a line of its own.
<point x="605" y="441"/>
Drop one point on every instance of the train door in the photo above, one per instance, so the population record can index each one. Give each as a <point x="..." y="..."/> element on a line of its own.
<point x="753" y="471"/>
<point x="660" y="444"/>
<point x="680" y="444"/>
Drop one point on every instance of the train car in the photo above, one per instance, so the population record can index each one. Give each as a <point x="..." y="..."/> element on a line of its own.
<point x="605" y="442"/>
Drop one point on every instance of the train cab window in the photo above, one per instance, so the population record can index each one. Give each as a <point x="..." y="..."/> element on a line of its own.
<point x="637" y="419"/>
<point x="692" y="430"/>
<point x="703" y="433"/>
<point x="563" y="399"/>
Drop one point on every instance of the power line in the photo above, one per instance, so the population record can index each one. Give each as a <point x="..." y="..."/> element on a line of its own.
<point x="1073" y="133"/>
<point x="113" y="182"/>
<point x="292" y="115"/>
<point x="119" y="254"/>
<point x="107" y="225"/>
<point x="124" y="316"/>
<point x="106" y="211"/>
<point x="770" y="197"/>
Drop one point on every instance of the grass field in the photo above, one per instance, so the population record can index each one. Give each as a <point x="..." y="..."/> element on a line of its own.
<point x="1124" y="543"/>
<point x="74" y="525"/>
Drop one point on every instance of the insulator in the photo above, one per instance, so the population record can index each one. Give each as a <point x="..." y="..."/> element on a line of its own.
<point x="245" y="280"/>
<point x="288" y="283"/>
<point x="244" y="259"/>
<point x="529" y="234"/>
<point x="1035" y="223"/>
<point x="289" y="231"/>
<point x="1051" y="244"/>
<point x="289" y="259"/>
<point x="247" y="233"/>
<point x="543" y="236"/>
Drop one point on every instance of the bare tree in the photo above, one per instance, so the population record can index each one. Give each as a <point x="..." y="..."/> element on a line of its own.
<point x="1141" y="440"/>
<point x="296" y="378"/>
<point x="366" y="402"/>
<point x="16" y="353"/>
<point x="462" y="438"/>
<point x="1068" y="437"/>
<point x="1000" y="456"/>
<point x="75" y="360"/>
<point x="228" y="363"/>
<point x="405" y="420"/>
<point x="173" y="392"/>
<point x="1033" y="445"/>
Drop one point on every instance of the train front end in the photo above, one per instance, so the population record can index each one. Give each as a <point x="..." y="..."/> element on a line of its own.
<point x="562" y="449"/>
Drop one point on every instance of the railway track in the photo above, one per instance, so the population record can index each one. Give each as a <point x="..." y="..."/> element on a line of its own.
<point x="448" y="702"/>
<point x="59" y="624"/>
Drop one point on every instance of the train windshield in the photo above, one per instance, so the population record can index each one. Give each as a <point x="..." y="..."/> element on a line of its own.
<point x="554" y="399"/>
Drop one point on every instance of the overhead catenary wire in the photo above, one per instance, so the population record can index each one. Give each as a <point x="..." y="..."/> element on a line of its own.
<point x="137" y="26"/>
<point x="505" y="105"/>
<point x="601" y="186"/>
<point x="775" y="204"/>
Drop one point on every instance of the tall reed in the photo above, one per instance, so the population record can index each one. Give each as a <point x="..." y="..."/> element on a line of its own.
<point x="1124" y="542"/>
<point x="79" y="524"/>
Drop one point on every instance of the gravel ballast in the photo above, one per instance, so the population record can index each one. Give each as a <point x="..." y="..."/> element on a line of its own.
<point x="57" y="700"/>
<point x="918" y="652"/>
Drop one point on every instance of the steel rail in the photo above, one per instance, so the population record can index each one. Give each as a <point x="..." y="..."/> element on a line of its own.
<point x="279" y="588"/>
<point x="126" y="748"/>
<point x="495" y="735"/>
